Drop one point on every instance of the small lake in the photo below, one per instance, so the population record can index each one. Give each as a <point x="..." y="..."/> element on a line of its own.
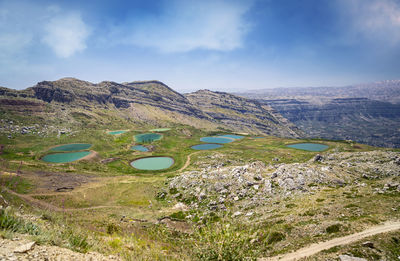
<point x="117" y="132"/>
<point x="309" y="146"/>
<point x="72" y="147"/>
<point x="65" y="157"/>
<point x="161" y="129"/>
<point x="216" y="140"/>
<point x="148" y="137"/>
<point x="153" y="163"/>
<point x="139" y="148"/>
<point x="236" y="137"/>
<point x="207" y="146"/>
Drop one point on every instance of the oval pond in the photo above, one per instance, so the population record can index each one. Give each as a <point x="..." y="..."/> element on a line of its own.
<point x="72" y="147"/>
<point x="216" y="140"/>
<point x="309" y="146"/>
<point x="153" y="163"/>
<point x="236" y="137"/>
<point x="161" y="129"/>
<point x="139" y="148"/>
<point x="117" y="132"/>
<point x="65" y="157"/>
<point x="148" y="137"/>
<point x="207" y="146"/>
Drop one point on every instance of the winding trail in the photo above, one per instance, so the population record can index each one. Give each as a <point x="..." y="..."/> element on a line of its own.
<point x="48" y="206"/>
<point x="188" y="159"/>
<point x="318" y="247"/>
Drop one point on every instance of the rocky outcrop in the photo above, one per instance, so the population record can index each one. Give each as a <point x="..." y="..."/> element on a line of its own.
<point x="215" y="188"/>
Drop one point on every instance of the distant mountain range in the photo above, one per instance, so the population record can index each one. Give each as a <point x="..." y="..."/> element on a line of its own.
<point x="71" y="102"/>
<point x="367" y="113"/>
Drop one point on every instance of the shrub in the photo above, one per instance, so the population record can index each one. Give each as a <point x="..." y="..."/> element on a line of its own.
<point x="333" y="228"/>
<point x="112" y="228"/>
<point x="275" y="237"/>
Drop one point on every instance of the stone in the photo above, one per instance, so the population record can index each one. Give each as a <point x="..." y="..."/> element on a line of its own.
<point x="237" y="213"/>
<point x="368" y="244"/>
<point x="24" y="248"/>
<point x="351" y="258"/>
<point x="180" y="206"/>
<point x="318" y="158"/>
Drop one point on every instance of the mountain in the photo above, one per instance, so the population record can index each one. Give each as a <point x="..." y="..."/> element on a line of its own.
<point x="386" y="91"/>
<point x="367" y="113"/>
<point x="150" y="102"/>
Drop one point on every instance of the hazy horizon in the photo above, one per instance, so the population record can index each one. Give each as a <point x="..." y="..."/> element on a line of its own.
<point x="189" y="45"/>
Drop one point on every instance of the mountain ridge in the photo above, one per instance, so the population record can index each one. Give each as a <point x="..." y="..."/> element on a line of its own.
<point x="156" y="103"/>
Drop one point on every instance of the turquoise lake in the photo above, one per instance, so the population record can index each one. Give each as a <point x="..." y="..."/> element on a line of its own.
<point x="208" y="146"/>
<point x="65" y="157"/>
<point x="72" y="147"/>
<point x="153" y="163"/>
<point x="216" y="140"/>
<point x="139" y="148"/>
<point x="309" y="146"/>
<point x="236" y="137"/>
<point x="116" y="132"/>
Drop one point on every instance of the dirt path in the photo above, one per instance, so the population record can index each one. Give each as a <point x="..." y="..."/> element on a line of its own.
<point x="187" y="163"/>
<point x="48" y="206"/>
<point x="317" y="247"/>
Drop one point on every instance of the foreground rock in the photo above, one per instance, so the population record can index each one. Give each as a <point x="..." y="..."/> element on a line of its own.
<point x="22" y="249"/>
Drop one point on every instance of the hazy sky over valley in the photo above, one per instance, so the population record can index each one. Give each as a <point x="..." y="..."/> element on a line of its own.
<point x="215" y="44"/>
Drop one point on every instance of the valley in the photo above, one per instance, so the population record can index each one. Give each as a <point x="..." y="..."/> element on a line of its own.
<point x="264" y="191"/>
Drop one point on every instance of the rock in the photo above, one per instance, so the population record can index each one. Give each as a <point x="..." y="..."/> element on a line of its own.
<point x="368" y="244"/>
<point x="351" y="258"/>
<point x="257" y="177"/>
<point x="237" y="213"/>
<point x="24" y="248"/>
<point x="318" y="158"/>
<point x="180" y="206"/>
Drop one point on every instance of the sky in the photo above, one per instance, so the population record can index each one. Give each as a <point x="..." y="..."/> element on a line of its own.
<point x="226" y="45"/>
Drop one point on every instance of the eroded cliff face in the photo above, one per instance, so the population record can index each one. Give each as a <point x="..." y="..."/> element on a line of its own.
<point x="372" y="122"/>
<point x="247" y="114"/>
<point x="154" y="102"/>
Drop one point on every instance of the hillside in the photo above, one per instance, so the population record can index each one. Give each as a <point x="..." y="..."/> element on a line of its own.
<point x="368" y="113"/>
<point x="151" y="102"/>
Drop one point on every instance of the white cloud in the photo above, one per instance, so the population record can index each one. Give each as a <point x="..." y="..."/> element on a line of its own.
<point x="376" y="20"/>
<point x="189" y="25"/>
<point x="66" y="34"/>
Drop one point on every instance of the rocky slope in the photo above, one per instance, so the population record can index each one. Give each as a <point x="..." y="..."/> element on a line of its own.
<point x="216" y="187"/>
<point x="246" y="114"/>
<point x="149" y="102"/>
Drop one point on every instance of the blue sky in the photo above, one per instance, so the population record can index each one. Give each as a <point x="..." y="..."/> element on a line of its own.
<point x="227" y="45"/>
